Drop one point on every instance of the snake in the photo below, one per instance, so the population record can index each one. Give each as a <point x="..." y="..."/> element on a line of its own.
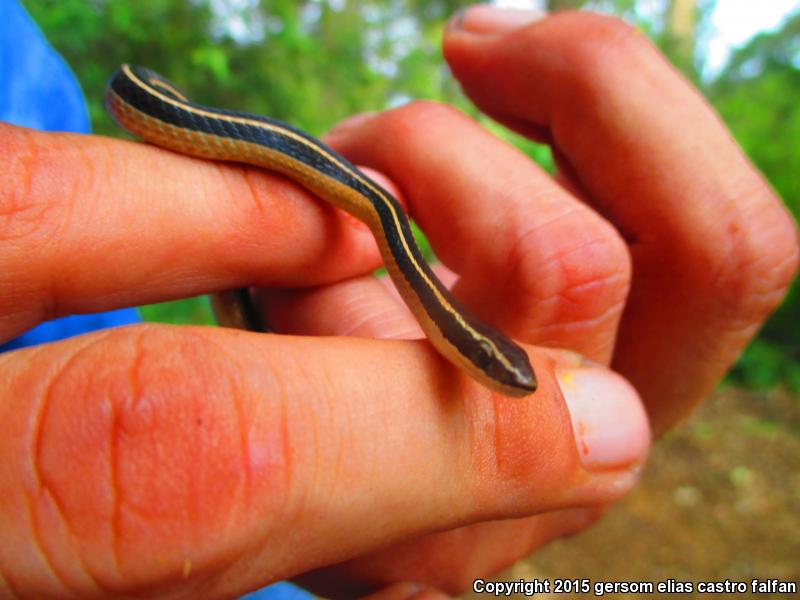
<point x="150" y="107"/>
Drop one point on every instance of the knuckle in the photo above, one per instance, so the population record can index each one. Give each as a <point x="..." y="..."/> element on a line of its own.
<point x="23" y="211"/>
<point x="605" y="28"/>
<point x="570" y="279"/>
<point x="601" y="44"/>
<point x="52" y="186"/>
<point x="50" y="182"/>
<point x="165" y="437"/>
<point x="416" y="116"/>
<point x="53" y="182"/>
<point x="761" y="260"/>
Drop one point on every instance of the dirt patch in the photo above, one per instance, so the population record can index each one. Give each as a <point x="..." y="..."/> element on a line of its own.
<point x="719" y="499"/>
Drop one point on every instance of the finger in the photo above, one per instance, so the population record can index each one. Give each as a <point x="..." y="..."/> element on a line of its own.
<point x="405" y="591"/>
<point x="126" y="469"/>
<point x="451" y="561"/>
<point x="360" y="307"/>
<point x="90" y="223"/>
<point x="712" y="247"/>
<point x="531" y="259"/>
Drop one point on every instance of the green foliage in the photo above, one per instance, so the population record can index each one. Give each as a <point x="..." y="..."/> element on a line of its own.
<point x="97" y="36"/>
<point x="315" y="62"/>
<point x="765" y="364"/>
<point x="190" y="311"/>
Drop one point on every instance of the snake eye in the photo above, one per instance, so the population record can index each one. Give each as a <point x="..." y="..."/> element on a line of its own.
<point x="484" y="355"/>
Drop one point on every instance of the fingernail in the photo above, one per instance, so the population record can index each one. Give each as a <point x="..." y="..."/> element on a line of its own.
<point x="352" y="121"/>
<point x="486" y="19"/>
<point x="608" y="419"/>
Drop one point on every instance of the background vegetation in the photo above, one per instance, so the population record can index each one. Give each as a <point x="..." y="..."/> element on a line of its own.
<point x="314" y="62"/>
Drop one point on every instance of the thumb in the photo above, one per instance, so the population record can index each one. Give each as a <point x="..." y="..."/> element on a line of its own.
<point x="156" y="460"/>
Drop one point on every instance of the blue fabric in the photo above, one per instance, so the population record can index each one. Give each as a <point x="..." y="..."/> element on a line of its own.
<point x="279" y="591"/>
<point x="38" y="90"/>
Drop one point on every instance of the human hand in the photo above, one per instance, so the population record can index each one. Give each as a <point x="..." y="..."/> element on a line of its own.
<point x="212" y="477"/>
<point x="168" y="462"/>
<point x="711" y="248"/>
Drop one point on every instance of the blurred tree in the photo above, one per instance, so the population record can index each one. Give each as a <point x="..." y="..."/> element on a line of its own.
<point x="555" y="5"/>
<point x="679" y="37"/>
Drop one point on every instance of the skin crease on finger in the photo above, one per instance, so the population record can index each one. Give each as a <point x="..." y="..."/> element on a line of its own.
<point x="137" y="469"/>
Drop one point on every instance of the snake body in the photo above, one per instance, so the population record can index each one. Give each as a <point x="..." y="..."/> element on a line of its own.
<point x="152" y="108"/>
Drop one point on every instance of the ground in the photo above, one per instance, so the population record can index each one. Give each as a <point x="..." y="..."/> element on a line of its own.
<point x="719" y="499"/>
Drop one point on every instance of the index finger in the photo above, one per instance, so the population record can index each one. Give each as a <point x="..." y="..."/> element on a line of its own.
<point x="90" y="223"/>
